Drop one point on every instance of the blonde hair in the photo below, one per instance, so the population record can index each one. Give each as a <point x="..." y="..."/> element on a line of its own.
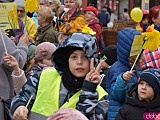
<point x="56" y="2"/>
<point x="46" y="12"/>
<point x="78" y="3"/>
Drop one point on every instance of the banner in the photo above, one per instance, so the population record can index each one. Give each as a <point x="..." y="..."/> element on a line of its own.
<point x="137" y="45"/>
<point x="8" y="15"/>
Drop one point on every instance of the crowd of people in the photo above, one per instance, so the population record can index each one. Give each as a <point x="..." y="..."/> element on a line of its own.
<point x="51" y="70"/>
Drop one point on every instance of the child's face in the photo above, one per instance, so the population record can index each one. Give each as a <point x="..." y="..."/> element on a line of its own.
<point x="145" y="91"/>
<point x="89" y="15"/>
<point x="47" y="62"/>
<point x="71" y="4"/>
<point x="79" y="63"/>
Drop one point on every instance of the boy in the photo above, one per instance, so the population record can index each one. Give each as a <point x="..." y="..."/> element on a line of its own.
<point x="143" y="97"/>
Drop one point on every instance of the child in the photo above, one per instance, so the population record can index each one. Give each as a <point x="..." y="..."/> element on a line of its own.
<point x="143" y="97"/>
<point x="109" y="55"/>
<point x="67" y="114"/>
<point x="42" y="59"/>
<point x="91" y="14"/>
<point x="116" y="85"/>
<point x="73" y="83"/>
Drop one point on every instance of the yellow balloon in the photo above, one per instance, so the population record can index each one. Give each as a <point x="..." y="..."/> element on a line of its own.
<point x="136" y="14"/>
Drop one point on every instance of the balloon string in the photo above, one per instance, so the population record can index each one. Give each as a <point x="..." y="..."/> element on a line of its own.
<point x="3" y="42"/>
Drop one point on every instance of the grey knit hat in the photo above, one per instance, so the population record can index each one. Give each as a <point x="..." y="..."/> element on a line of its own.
<point x="77" y="40"/>
<point x="20" y="3"/>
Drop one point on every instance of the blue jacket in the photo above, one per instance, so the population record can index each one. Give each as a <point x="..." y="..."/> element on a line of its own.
<point x="116" y="86"/>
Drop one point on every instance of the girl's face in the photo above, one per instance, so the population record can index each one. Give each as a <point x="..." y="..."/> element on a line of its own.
<point x="79" y="63"/>
<point x="89" y="15"/>
<point x="157" y="20"/>
<point x="71" y="4"/>
<point x="145" y="91"/>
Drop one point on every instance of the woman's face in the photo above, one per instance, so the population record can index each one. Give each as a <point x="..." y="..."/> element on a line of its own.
<point x="53" y="6"/>
<point x="40" y="19"/>
<point x="79" y="63"/>
<point x="20" y="12"/>
<point x="71" y="4"/>
<point x="89" y="15"/>
<point x="157" y="20"/>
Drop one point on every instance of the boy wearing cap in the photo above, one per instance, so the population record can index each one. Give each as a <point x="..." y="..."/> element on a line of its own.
<point x="91" y="14"/>
<point x="142" y="97"/>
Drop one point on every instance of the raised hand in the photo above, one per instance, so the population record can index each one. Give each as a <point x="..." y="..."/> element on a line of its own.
<point x="94" y="74"/>
<point x="11" y="61"/>
<point x="128" y="75"/>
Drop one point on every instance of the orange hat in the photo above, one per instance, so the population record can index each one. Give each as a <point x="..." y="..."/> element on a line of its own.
<point x="93" y="9"/>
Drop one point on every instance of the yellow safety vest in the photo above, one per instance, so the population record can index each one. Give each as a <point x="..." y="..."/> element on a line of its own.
<point x="47" y="99"/>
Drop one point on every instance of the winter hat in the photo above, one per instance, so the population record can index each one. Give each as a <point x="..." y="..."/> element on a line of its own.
<point x="91" y="8"/>
<point x="67" y="114"/>
<point x="109" y="54"/>
<point x="152" y="77"/>
<point x="44" y="51"/>
<point x="77" y="40"/>
<point x="20" y="3"/>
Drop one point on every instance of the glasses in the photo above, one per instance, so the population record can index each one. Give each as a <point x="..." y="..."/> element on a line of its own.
<point x="21" y="11"/>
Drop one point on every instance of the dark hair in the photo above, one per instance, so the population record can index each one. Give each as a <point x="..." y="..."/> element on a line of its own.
<point x="125" y="9"/>
<point x="153" y="13"/>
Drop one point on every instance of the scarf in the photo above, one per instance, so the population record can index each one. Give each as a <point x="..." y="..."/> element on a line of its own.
<point x="71" y="82"/>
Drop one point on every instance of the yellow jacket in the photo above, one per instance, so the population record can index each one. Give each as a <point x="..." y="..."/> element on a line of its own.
<point x="77" y="23"/>
<point x="30" y="26"/>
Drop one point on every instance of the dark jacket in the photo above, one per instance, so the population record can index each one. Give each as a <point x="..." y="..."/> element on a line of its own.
<point x="116" y="86"/>
<point x="135" y="108"/>
<point x="104" y="17"/>
<point x="46" y="34"/>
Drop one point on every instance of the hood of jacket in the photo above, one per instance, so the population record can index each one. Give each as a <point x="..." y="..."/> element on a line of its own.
<point x="124" y="43"/>
<point x="77" y="40"/>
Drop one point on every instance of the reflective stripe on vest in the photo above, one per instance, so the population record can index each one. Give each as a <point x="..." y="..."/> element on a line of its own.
<point x="47" y="99"/>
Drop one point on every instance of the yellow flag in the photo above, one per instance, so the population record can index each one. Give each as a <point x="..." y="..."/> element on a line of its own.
<point x="31" y="5"/>
<point x="88" y="30"/>
<point x="152" y="38"/>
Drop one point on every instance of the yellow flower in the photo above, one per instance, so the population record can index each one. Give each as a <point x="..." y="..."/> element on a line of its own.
<point x="31" y="5"/>
<point x="12" y="17"/>
<point x="88" y="30"/>
<point x="152" y="38"/>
